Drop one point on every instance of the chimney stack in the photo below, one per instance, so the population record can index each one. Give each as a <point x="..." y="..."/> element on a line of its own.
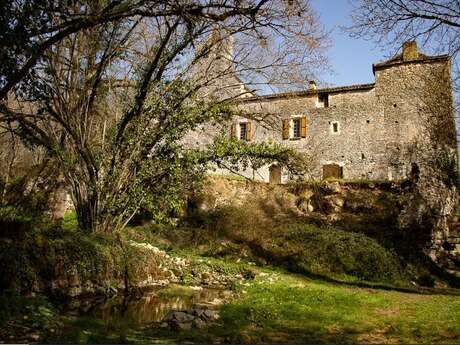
<point x="410" y="51"/>
<point x="312" y="85"/>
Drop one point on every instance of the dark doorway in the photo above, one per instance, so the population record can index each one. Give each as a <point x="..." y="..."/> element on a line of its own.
<point x="332" y="170"/>
<point x="275" y="174"/>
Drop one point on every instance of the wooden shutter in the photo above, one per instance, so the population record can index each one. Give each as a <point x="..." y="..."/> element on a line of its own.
<point x="303" y="127"/>
<point x="233" y="131"/>
<point x="249" y="132"/>
<point x="286" y="128"/>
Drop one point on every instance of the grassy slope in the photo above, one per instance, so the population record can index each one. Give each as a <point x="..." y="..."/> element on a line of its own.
<point x="284" y="308"/>
<point x="296" y="309"/>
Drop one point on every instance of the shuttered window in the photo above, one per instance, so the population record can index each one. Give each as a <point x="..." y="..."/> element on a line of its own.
<point x="286" y="128"/>
<point x="233" y="131"/>
<point x="303" y="128"/>
<point x="298" y="125"/>
<point x="296" y="128"/>
<point x="243" y="130"/>
<point x="249" y="131"/>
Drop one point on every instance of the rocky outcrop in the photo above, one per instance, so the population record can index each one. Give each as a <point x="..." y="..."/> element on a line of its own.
<point x="421" y="210"/>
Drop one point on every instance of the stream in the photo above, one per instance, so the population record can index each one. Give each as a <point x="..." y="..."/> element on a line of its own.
<point x="149" y="308"/>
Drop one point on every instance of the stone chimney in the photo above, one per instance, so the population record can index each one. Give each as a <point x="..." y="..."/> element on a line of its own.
<point x="410" y="51"/>
<point x="312" y="85"/>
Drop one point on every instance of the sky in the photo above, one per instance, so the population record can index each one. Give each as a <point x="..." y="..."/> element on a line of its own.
<point x="351" y="59"/>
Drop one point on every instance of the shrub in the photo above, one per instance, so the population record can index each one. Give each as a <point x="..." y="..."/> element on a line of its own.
<point x="24" y="202"/>
<point x="426" y="280"/>
<point x="329" y="250"/>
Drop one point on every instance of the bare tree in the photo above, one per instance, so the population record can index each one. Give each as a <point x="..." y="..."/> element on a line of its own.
<point x="112" y="102"/>
<point x="435" y="23"/>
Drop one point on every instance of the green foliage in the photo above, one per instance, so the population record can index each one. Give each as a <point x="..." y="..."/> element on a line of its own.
<point x="25" y="200"/>
<point x="152" y="172"/>
<point x="70" y="221"/>
<point x="36" y="312"/>
<point x="47" y="254"/>
<point x="447" y="163"/>
<point x="328" y="250"/>
<point x="264" y="233"/>
<point x="239" y="155"/>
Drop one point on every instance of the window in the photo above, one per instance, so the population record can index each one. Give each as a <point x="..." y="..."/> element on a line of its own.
<point x="296" y="128"/>
<point x="243" y="131"/>
<point x="335" y="128"/>
<point x="323" y="100"/>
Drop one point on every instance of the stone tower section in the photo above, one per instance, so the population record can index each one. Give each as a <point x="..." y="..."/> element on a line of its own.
<point x="415" y="94"/>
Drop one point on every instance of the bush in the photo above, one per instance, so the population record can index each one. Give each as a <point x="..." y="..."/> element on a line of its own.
<point x="426" y="280"/>
<point x="24" y="203"/>
<point x="328" y="250"/>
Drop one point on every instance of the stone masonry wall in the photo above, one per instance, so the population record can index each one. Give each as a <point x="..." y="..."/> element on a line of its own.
<point x="355" y="146"/>
<point x="383" y="129"/>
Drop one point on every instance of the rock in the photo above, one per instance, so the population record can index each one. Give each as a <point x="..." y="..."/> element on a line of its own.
<point x="334" y="202"/>
<point x="164" y="325"/>
<point x="181" y="316"/>
<point x="205" y="275"/>
<point x="333" y="187"/>
<point x="34" y="337"/>
<point x="210" y="315"/>
<point x="199" y="324"/>
<point x="306" y="194"/>
<point x="305" y="206"/>
<point x="334" y="217"/>
<point x="183" y="326"/>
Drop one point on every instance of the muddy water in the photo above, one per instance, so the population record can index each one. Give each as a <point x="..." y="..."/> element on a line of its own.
<point x="149" y="308"/>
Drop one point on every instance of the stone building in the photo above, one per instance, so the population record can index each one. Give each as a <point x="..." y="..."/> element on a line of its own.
<point x="386" y="130"/>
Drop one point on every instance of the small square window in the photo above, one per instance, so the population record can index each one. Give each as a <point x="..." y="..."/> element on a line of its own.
<point x="243" y="131"/>
<point x="323" y="100"/>
<point x="335" y="128"/>
<point x="296" y="128"/>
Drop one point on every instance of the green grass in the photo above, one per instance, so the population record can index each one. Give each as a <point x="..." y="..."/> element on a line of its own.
<point x="281" y="307"/>
<point x="70" y="221"/>
<point x="295" y="309"/>
<point x="276" y="307"/>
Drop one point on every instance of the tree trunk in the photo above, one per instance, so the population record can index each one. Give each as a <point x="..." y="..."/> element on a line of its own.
<point x="87" y="212"/>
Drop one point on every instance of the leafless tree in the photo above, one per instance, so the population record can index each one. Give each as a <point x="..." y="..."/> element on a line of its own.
<point x="110" y="102"/>
<point x="434" y="23"/>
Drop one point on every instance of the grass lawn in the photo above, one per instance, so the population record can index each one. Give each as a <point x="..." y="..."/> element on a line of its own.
<point x="280" y="308"/>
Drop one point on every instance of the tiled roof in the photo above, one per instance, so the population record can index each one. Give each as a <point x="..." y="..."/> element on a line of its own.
<point x="398" y="59"/>
<point x="304" y="93"/>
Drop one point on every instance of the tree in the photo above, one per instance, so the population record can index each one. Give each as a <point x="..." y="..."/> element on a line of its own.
<point x="112" y="102"/>
<point x="435" y="23"/>
<point x="28" y="28"/>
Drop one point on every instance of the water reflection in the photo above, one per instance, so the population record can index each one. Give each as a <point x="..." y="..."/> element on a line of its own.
<point x="151" y="307"/>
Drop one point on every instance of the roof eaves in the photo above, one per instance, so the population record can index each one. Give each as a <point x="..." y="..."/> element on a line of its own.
<point x="304" y="93"/>
<point x="395" y="61"/>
